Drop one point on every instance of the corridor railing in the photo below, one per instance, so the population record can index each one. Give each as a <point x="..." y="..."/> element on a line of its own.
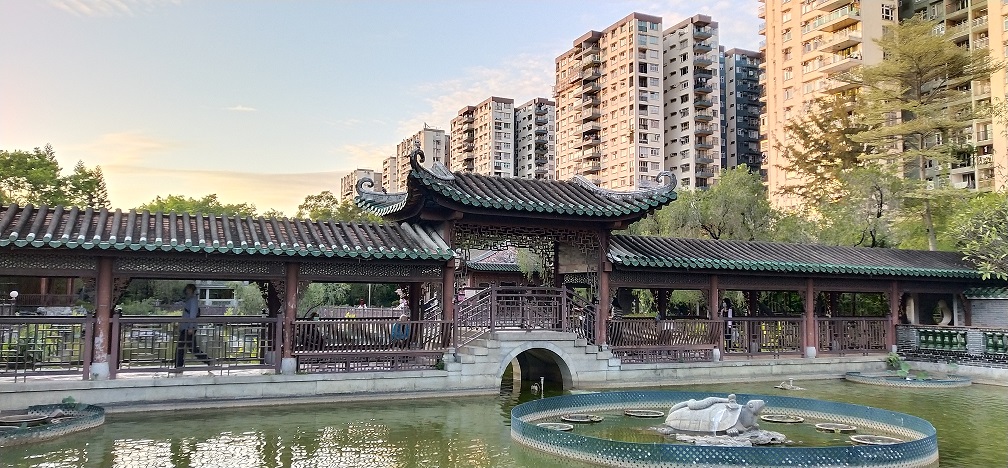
<point x="979" y="346"/>
<point x="638" y="340"/>
<point x="846" y="335"/>
<point x="143" y="343"/>
<point x="45" y="345"/>
<point x="349" y="344"/>
<point x="773" y="336"/>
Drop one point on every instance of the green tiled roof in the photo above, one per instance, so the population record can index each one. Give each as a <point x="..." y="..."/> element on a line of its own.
<point x="987" y="293"/>
<point x="577" y="198"/>
<point x="771" y="257"/>
<point x="504" y="261"/>
<point x="76" y="228"/>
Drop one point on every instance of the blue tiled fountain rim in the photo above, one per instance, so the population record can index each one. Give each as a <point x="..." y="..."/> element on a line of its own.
<point x="921" y="450"/>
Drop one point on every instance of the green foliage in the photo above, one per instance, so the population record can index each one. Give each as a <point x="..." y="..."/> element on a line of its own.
<point x="894" y="361"/>
<point x="250" y="300"/>
<point x="529" y="263"/>
<point x="35" y="177"/>
<point x="863" y="211"/>
<point x="325" y="205"/>
<point x="981" y="233"/>
<point x="318" y="294"/>
<point x="209" y="204"/>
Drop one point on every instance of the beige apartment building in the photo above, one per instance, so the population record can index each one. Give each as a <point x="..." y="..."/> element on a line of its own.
<point x="483" y="138"/>
<point x="807" y="44"/>
<point x="390" y="173"/>
<point x="609" y="105"/>
<point x="535" y="139"/>
<point x="348" y="183"/>
<point x="436" y="147"/>
<point x="692" y="102"/>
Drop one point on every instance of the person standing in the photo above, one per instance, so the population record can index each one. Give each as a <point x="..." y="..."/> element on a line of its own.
<point x="187" y="331"/>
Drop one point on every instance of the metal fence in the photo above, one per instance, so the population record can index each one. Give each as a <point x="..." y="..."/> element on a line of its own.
<point x="40" y="345"/>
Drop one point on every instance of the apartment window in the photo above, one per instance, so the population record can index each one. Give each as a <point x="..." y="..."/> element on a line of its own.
<point x="652" y="67"/>
<point x="786" y="16"/>
<point x="788" y="73"/>
<point x="887" y="13"/>
<point x="787" y="53"/>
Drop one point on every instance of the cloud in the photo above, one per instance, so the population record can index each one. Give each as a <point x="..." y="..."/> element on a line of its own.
<point x="111" y="8"/>
<point x="521" y="77"/>
<point x="363" y="155"/>
<point x="738" y="25"/>
<point x="241" y="108"/>
<point x="123" y="148"/>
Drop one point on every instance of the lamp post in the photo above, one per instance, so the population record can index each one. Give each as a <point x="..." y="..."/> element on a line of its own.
<point x="13" y="297"/>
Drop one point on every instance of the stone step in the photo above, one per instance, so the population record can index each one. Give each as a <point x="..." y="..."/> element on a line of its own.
<point x="474" y="350"/>
<point x="580" y="342"/>
<point x="485" y="343"/>
<point x="467" y="359"/>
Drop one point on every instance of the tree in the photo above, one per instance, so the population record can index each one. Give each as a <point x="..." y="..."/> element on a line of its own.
<point x="983" y="233"/>
<point x="862" y="210"/>
<point x="735" y="208"/>
<point x="325" y="205"/>
<point x="86" y="187"/>
<point x="909" y="105"/>
<point x="820" y="146"/>
<point x="31" y="177"/>
<point x="209" y="204"/>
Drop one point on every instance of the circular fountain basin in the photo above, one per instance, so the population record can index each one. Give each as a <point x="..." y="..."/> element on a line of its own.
<point x="888" y="380"/>
<point x="39" y="424"/>
<point x="917" y="444"/>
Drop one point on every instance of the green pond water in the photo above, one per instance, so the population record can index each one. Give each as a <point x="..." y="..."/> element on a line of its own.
<point x="972" y="425"/>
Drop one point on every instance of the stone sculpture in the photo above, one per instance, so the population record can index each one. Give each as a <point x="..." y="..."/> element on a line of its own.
<point x="715" y="415"/>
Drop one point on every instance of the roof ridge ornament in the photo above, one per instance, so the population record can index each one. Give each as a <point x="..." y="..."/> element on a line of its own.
<point x="668" y="187"/>
<point x="438" y="169"/>
<point x="365" y="188"/>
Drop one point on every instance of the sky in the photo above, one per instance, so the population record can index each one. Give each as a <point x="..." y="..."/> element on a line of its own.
<point x="267" y="102"/>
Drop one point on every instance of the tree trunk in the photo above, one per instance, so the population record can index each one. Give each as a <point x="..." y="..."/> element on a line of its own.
<point x="929" y="225"/>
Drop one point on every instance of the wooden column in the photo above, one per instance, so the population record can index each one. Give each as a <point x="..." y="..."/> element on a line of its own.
<point x="413" y="296"/>
<point x="714" y="309"/>
<point x="809" y="337"/>
<point x="894" y="314"/>
<point x="663" y="302"/>
<point x="103" y="313"/>
<point x="290" y="308"/>
<point x="604" y="299"/>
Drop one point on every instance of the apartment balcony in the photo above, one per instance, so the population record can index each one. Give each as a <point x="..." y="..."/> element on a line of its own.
<point x="703" y="103"/>
<point x="468" y="148"/>
<point x="541" y="111"/>
<point x="541" y="120"/>
<point x="703" y="130"/>
<point x="590" y="127"/>
<point x="841" y="41"/>
<point x="541" y="149"/>
<point x="468" y="166"/>
<point x="959" y="30"/>
<point x="762" y="46"/>
<point x="590" y="155"/>
<point x="589" y="168"/>
<point x="701" y="47"/>
<point x="834" y="86"/>
<point x="587" y="88"/>
<point x="839" y="63"/>
<point x="703" y="88"/>
<point x="761" y="12"/>
<point x="838" y="20"/>
<point x="980" y="44"/>
<point x="957" y="9"/>
<point x="589" y="49"/>
<point x="588" y="142"/>
<point x="574" y="77"/>
<point x="762" y="29"/>
<point x="701" y="61"/>
<point x="590" y="74"/>
<point x="984" y="137"/>
<point x="703" y="145"/>
<point x="541" y="170"/>
<point x="980" y="23"/>
<point x="703" y="33"/>
<point x="985" y="185"/>
<point x="540" y="131"/>
<point x="591" y="113"/>
<point x="704" y="159"/>
<point x="590" y="60"/>
<point x="704" y="173"/>
<point x="703" y="116"/>
<point x="589" y="101"/>
<point x="702" y="73"/>
<point x="468" y="137"/>
<point x="467" y="118"/>
<point x="830" y="5"/>
<point x="541" y="159"/>
<point x="981" y="91"/>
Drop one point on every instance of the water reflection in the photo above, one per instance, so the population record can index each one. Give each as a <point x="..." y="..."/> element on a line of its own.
<point x="456" y="432"/>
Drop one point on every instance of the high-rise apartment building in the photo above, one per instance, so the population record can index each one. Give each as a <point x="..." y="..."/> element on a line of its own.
<point x="436" y="146"/>
<point x="609" y="105"/>
<point x="974" y="25"/>
<point x="348" y="183"/>
<point x="483" y="138"/>
<point x="808" y="43"/>
<point x="535" y="139"/>
<point x="692" y="122"/>
<point x="742" y="108"/>
<point x="390" y="173"/>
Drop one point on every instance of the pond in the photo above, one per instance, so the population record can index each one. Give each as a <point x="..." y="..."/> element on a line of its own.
<point x="972" y="424"/>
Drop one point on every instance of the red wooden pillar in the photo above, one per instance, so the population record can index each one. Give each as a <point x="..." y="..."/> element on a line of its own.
<point x="714" y="311"/>
<point x="414" y="292"/>
<point x="605" y="302"/>
<point x="894" y="313"/>
<point x="288" y="365"/>
<point x="663" y="302"/>
<point x="103" y="313"/>
<point x="809" y="337"/>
